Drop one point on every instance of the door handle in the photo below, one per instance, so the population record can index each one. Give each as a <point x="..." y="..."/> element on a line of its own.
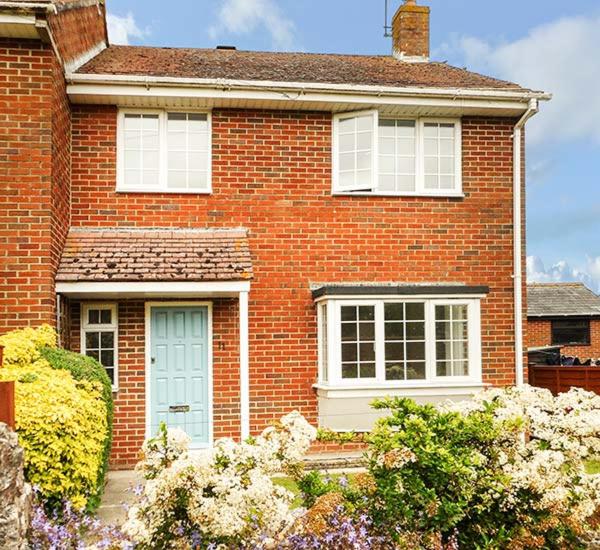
<point x="153" y="360"/>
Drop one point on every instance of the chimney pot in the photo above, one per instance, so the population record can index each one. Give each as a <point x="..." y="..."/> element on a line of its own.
<point x="410" y="32"/>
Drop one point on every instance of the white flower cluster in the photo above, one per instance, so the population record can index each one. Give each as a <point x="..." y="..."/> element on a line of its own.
<point x="224" y="494"/>
<point x="544" y="455"/>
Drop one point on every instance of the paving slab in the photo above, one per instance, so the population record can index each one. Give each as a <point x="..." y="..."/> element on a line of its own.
<point x="117" y="495"/>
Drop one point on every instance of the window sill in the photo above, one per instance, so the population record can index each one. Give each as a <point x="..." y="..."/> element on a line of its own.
<point x="449" y="195"/>
<point x="155" y="191"/>
<point x="413" y="390"/>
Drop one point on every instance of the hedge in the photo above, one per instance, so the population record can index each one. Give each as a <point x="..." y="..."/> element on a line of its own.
<point x="63" y="416"/>
<point x="82" y="367"/>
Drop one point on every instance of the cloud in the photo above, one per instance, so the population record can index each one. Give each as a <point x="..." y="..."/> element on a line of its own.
<point x="246" y="16"/>
<point x="562" y="272"/>
<point x="122" y="29"/>
<point x="557" y="57"/>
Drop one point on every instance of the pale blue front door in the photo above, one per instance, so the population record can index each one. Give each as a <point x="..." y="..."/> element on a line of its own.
<point x="179" y="371"/>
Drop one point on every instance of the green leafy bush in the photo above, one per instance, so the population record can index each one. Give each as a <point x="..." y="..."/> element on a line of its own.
<point x="505" y="470"/>
<point x="81" y="368"/>
<point x="62" y="420"/>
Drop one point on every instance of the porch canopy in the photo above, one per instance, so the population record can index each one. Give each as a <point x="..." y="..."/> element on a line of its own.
<point x="124" y="263"/>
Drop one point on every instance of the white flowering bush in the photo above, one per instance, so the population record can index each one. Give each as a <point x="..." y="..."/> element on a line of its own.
<point x="224" y="496"/>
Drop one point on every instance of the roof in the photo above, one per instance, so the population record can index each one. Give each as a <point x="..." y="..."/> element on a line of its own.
<point x="382" y="70"/>
<point x="561" y="300"/>
<point x="155" y="255"/>
<point x="394" y="289"/>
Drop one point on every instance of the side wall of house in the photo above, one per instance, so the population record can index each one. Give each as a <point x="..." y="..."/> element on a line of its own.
<point x="539" y="333"/>
<point x="272" y="174"/>
<point x="27" y="88"/>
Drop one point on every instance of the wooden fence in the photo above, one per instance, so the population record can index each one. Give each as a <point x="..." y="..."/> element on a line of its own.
<point x="7" y="399"/>
<point x="559" y="379"/>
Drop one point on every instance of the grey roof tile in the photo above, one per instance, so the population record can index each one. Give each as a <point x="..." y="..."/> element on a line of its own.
<point x="561" y="299"/>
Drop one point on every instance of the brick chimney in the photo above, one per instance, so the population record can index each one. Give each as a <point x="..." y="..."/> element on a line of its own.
<point x="410" y="32"/>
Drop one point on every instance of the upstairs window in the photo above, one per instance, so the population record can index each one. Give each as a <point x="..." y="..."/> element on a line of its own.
<point x="164" y="152"/>
<point x="571" y="332"/>
<point x="396" y="156"/>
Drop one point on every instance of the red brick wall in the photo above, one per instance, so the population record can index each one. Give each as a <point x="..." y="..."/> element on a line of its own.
<point x="130" y="401"/>
<point x="272" y="174"/>
<point x="78" y="30"/>
<point x="539" y="333"/>
<point x="27" y="87"/>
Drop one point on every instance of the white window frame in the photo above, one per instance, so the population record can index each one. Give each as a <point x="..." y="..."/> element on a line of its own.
<point x="114" y="326"/>
<point x="334" y="358"/>
<point x="420" y="189"/>
<point x="163" y="152"/>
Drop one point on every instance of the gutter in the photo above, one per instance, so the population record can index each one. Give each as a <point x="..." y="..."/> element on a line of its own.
<point x="302" y="87"/>
<point x="532" y="110"/>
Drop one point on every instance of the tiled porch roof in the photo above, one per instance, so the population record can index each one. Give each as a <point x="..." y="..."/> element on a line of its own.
<point x="155" y="255"/>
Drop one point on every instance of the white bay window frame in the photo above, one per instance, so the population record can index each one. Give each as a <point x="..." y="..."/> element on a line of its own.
<point x="420" y="190"/>
<point x="334" y="344"/>
<point x="162" y="187"/>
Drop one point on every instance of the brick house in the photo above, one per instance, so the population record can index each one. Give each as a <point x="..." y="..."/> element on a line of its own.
<point x="565" y="315"/>
<point x="238" y="234"/>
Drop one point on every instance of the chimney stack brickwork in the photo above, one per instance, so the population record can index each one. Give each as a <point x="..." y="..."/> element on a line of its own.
<point x="410" y="32"/>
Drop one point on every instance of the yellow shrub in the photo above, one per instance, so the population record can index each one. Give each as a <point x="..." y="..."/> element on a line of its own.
<point x="61" y="422"/>
<point x="22" y="347"/>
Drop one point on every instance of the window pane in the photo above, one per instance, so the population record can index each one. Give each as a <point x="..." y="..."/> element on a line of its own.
<point x="348" y="313"/>
<point x="92" y="340"/>
<point x="111" y="375"/>
<point x="394" y="312"/>
<point x="394" y="351"/>
<point x="397" y="145"/>
<point x="415" y="371"/>
<point x="107" y="340"/>
<point x="452" y="345"/>
<point x="367" y="331"/>
<point x="349" y="352"/>
<point x="94" y="353"/>
<point x="415" y="351"/>
<point x="198" y="180"/>
<point x="415" y="331"/>
<point x="367" y="352"/>
<point x="349" y="332"/>
<point x="415" y="311"/>
<point x="107" y="357"/>
<point x="350" y="370"/>
<point x="93" y="316"/>
<point x="571" y="331"/>
<point x="324" y="344"/>
<point x="105" y="316"/>
<point x="366" y="313"/>
<point x="394" y="331"/>
<point x="367" y="370"/>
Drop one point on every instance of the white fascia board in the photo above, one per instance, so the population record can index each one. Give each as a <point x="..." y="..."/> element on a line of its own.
<point x="301" y="87"/>
<point x="148" y="289"/>
<point x="78" y="93"/>
<point x="399" y="297"/>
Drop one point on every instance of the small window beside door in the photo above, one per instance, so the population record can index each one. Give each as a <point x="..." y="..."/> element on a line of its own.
<point x="99" y="335"/>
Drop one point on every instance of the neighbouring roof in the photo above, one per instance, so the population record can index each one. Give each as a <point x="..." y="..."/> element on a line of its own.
<point x="381" y="70"/>
<point x="155" y="255"/>
<point x="561" y="299"/>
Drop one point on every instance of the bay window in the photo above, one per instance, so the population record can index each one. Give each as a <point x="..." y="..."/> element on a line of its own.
<point x="99" y="332"/>
<point x="374" y="154"/>
<point x="167" y="152"/>
<point x="399" y="342"/>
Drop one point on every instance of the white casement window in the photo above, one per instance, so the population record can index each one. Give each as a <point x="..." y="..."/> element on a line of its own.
<point x="99" y="335"/>
<point x="399" y="342"/>
<point x="373" y="154"/>
<point x="164" y="151"/>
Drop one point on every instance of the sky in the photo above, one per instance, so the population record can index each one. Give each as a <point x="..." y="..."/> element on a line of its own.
<point x="548" y="45"/>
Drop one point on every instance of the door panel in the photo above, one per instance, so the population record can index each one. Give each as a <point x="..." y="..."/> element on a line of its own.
<point x="179" y="371"/>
